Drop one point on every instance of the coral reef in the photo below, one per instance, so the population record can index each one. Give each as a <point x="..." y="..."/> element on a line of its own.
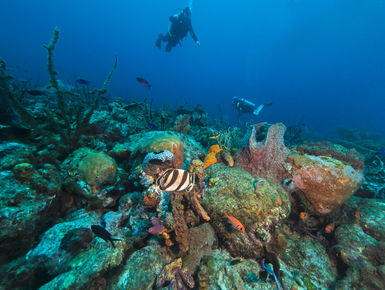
<point x="97" y="170"/>
<point x="276" y="217"/>
<point x="266" y="154"/>
<point x="180" y="227"/>
<point x="194" y="197"/>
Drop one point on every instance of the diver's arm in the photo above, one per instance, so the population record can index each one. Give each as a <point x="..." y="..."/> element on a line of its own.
<point x="193" y="35"/>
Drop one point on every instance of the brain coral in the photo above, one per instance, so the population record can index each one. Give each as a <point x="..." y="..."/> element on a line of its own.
<point x="97" y="170"/>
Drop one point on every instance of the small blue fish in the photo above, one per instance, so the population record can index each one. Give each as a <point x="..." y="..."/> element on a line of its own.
<point x="382" y="152"/>
<point x="152" y="126"/>
<point x="83" y="82"/>
<point x="271" y="272"/>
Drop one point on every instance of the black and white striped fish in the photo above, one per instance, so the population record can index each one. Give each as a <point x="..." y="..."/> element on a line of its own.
<point x="176" y="180"/>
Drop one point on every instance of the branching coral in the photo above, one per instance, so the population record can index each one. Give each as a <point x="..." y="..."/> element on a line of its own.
<point x="75" y="122"/>
<point x="71" y="136"/>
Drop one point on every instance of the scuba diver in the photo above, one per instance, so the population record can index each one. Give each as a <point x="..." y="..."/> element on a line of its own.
<point x="245" y="106"/>
<point x="180" y="26"/>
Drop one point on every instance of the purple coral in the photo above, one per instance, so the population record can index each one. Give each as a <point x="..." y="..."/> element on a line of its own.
<point x="157" y="228"/>
<point x="265" y="157"/>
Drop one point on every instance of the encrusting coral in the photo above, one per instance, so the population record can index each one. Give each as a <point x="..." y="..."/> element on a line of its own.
<point x="235" y="195"/>
<point x="326" y="182"/>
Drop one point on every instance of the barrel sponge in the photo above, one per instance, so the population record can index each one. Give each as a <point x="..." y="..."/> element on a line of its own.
<point x="266" y="154"/>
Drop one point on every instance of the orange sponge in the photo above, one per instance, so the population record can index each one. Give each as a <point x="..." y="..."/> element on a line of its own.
<point x="215" y="149"/>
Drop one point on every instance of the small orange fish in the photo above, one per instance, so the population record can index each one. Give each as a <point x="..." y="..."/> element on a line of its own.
<point x="303" y="215"/>
<point x="214" y="136"/>
<point x="357" y="214"/>
<point x="235" y="223"/>
<point x="329" y="228"/>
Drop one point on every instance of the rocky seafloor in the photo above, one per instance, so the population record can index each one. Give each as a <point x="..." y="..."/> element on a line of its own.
<point x="300" y="215"/>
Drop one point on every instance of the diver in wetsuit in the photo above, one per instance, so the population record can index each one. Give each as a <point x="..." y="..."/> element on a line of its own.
<point x="244" y="106"/>
<point x="180" y="26"/>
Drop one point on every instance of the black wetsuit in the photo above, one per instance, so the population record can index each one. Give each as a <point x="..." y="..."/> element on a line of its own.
<point x="180" y="26"/>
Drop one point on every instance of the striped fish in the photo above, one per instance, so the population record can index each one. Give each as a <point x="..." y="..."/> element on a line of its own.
<point x="176" y="180"/>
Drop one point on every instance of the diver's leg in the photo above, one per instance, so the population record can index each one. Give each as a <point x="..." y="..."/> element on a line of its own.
<point x="258" y="110"/>
<point x="158" y="42"/>
<point x="169" y="46"/>
<point x="171" y="42"/>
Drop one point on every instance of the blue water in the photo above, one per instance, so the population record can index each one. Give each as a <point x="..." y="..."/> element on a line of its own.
<point x="320" y="61"/>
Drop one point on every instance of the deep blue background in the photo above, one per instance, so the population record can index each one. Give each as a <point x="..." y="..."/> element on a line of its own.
<point x="323" y="61"/>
